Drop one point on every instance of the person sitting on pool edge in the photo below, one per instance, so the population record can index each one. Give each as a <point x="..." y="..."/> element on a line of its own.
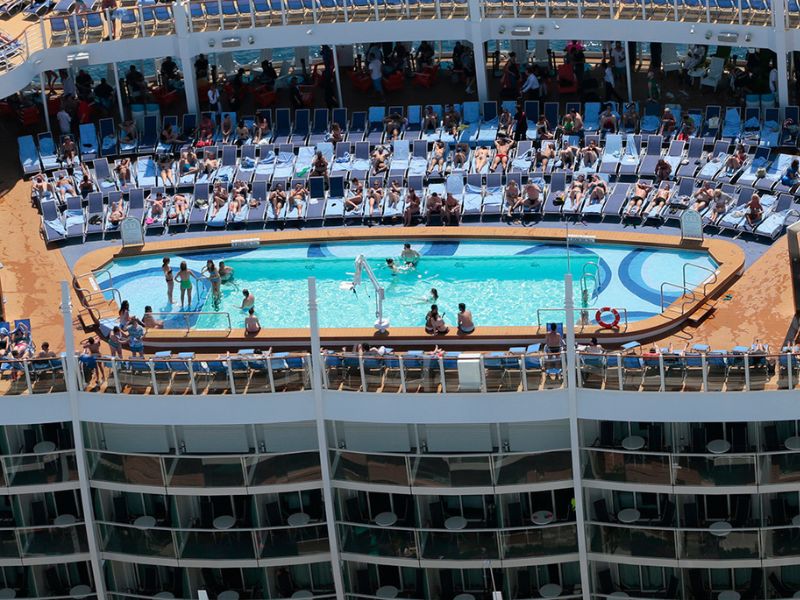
<point x="248" y="301"/>
<point x="410" y="255"/>
<point x="251" y="323"/>
<point x="465" y="322"/>
<point x="434" y="322"/>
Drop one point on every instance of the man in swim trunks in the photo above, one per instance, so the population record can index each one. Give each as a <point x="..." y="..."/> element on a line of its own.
<point x="409" y="255"/>
<point x="248" y="301"/>
<point x="640" y="191"/>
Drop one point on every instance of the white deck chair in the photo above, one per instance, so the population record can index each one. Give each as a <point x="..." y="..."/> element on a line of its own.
<point x="670" y="61"/>
<point x="714" y="74"/>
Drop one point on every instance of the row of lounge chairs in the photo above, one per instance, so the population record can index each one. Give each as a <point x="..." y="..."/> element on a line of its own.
<point x="778" y="127"/>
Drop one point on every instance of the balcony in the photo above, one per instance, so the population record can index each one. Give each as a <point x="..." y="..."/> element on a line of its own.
<point x="437" y="471"/>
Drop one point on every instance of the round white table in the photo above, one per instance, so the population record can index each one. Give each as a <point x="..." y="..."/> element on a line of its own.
<point x="619" y="595"/>
<point x="298" y="519"/>
<point x="718" y="446"/>
<point x="228" y="595"/>
<point x="464" y="597"/>
<point x="387" y="591"/>
<point x="796" y="520"/>
<point x="628" y="515"/>
<point x="80" y="591"/>
<point x="792" y="443"/>
<point x="633" y="442"/>
<point x="44" y="447"/>
<point x="385" y="519"/>
<point x="542" y="517"/>
<point x="302" y="594"/>
<point x="729" y="595"/>
<point x="164" y="595"/>
<point x="455" y="523"/>
<point x="66" y="519"/>
<point x="551" y="590"/>
<point x="224" y="522"/>
<point x="7" y="594"/>
<point x="145" y="522"/>
<point x="720" y="528"/>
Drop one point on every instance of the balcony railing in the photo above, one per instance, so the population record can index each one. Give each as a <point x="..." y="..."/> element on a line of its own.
<point x="40" y="541"/>
<point x="438" y="471"/>
<point x="204" y="472"/>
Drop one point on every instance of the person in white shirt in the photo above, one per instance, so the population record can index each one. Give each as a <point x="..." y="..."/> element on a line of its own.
<point x="773" y="80"/>
<point x="608" y="80"/>
<point x="376" y="74"/>
<point x="64" y="121"/>
<point x="531" y="86"/>
<point x="618" y="58"/>
<point x="213" y="99"/>
<point x="68" y="84"/>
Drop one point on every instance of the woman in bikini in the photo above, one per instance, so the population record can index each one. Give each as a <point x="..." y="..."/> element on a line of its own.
<point x="356" y="197"/>
<point x="413" y="204"/>
<point x="184" y="278"/>
<point x="480" y="158"/>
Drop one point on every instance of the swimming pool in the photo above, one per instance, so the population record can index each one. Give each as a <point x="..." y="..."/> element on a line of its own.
<point x="503" y="283"/>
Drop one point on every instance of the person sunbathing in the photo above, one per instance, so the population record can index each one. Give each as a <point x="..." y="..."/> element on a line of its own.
<point x="356" y="197"/>
<point x="393" y="193"/>
<point x="277" y="198"/>
<point x="702" y="197"/>
<point x="502" y="147"/>
<point x="544" y="155"/>
<point x="480" y="158"/>
<point x="374" y="196"/>
<point x="412" y="208"/>
<point x="659" y="200"/>
<point x="460" y="156"/>
<point x="640" y="192"/>
<point x="437" y="157"/>
<point x="297" y="198"/>
<point x="379" y="160"/>
<point x="590" y="154"/>
<point x="719" y="206"/>
<point x="513" y="198"/>
<point x="180" y="208"/>
<point x="117" y="213"/>
<point x="451" y="209"/>
<point x="533" y="196"/>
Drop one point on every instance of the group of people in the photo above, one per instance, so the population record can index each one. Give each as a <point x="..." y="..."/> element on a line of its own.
<point x="17" y="344"/>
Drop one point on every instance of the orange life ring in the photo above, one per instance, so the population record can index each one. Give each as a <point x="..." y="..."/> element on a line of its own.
<point x="598" y="316"/>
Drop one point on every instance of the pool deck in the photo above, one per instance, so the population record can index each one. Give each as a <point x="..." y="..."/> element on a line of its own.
<point x="761" y="304"/>
<point x="729" y="256"/>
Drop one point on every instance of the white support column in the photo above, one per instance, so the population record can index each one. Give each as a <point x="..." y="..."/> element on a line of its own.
<point x="481" y="80"/>
<point x="779" y="27"/>
<point x="185" y="56"/>
<point x="337" y="75"/>
<point x="628" y="74"/>
<point x="572" y="392"/>
<point x="43" y="84"/>
<point x="322" y="439"/>
<point x="77" y="433"/>
<point x="118" y="88"/>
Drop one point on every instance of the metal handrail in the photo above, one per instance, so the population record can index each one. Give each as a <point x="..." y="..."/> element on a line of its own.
<point x="195" y="313"/>
<point x="708" y="280"/>
<point x="680" y="287"/>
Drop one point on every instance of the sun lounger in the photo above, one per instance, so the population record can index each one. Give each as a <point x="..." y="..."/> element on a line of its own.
<point x="108" y="138"/>
<point x="334" y="201"/>
<point x="612" y="154"/>
<point x="493" y="200"/>
<point x="470" y="123"/>
<point x="48" y="154"/>
<point x="782" y="215"/>
<point x="28" y="155"/>
<point x="52" y="224"/>
<point x="473" y="196"/>
<point x="770" y="132"/>
<point x="775" y="172"/>
<point x="149" y="137"/>
<point x="74" y="218"/>
<point x="95" y="214"/>
<point x="748" y="173"/>
<point x="284" y="163"/>
<point x="629" y="164"/>
<point x="146" y="172"/>
<point x="87" y="138"/>
<point x="556" y="191"/>
<point x="716" y="161"/>
<point x="616" y="200"/>
<point x="694" y="154"/>
<point x="594" y="207"/>
<point x="103" y="176"/>
<point x="732" y="125"/>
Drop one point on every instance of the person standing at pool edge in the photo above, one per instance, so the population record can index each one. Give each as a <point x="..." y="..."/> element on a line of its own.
<point x="168" y="278"/>
<point x="184" y="276"/>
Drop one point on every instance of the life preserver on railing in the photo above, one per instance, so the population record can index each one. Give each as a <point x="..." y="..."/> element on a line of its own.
<point x="598" y="316"/>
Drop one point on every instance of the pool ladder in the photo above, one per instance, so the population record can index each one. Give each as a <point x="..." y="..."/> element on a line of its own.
<point x="590" y="277"/>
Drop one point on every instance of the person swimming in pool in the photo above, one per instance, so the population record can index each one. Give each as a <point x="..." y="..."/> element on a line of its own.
<point x="225" y="272"/>
<point x="409" y="255"/>
<point x="248" y="301"/>
<point x="392" y="266"/>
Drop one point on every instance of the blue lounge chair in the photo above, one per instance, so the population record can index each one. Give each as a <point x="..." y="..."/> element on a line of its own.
<point x="87" y="136"/>
<point x="52" y="224"/>
<point x="48" y="154"/>
<point x="28" y="155"/>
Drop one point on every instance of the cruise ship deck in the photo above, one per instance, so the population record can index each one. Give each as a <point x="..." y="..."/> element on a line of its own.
<point x="648" y="446"/>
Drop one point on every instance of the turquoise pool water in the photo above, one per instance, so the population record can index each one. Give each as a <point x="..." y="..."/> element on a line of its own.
<point x="503" y="283"/>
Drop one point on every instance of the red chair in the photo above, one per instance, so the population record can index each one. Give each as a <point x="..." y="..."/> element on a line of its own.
<point x="394" y="82"/>
<point x="360" y="81"/>
<point x="567" y="82"/>
<point x="427" y="77"/>
<point x="165" y="98"/>
<point x="264" y="97"/>
<point x="28" y="116"/>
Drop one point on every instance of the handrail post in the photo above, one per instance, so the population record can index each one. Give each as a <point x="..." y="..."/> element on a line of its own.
<point x="661" y="372"/>
<point x="152" y="375"/>
<point x="619" y="370"/>
<point x="44" y="34"/>
<point x="362" y="371"/>
<point x="483" y="372"/>
<point x="523" y="369"/>
<point x="115" y="369"/>
<point x="140" y="12"/>
<point x="789" y="370"/>
<point x="704" y="366"/>
<point x="270" y="375"/>
<point x="747" y="371"/>
<point x="442" y="375"/>
<point x="27" y="376"/>
<point x="402" y="373"/>
<point x="192" y="382"/>
<point x="230" y="374"/>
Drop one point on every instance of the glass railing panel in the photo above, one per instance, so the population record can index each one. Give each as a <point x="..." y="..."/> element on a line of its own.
<point x="628" y="467"/>
<point x="9" y="547"/>
<point x="126" y="468"/>
<point x="34" y="376"/>
<point x="539" y="541"/>
<point x="371" y="468"/>
<point x="41" y="469"/>
<point x="632" y="541"/>
<point x="217" y="545"/>
<point x="520" y="469"/>
<point x="779" y="543"/>
<point x="283" y="468"/>
<point x="295" y="541"/>
<point x="215" y="471"/>
<point x="708" y="545"/>
<point x="459" y="545"/>
<point x="123" y="539"/>
<point x="716" y="470"/>
<point x="452" y="471"/>
<point x="379" y="541"/>
<point x="780" y="468"/>
<point x="52" y="541"/>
